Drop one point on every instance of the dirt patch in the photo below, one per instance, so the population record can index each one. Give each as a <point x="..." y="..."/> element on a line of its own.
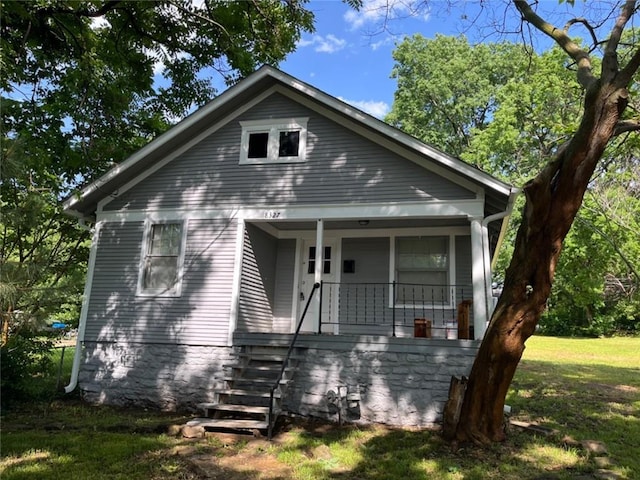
<point x="233" y="457"/>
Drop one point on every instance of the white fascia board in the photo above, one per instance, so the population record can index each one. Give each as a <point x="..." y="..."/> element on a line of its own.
<point x="387" y="131"/>
<point x="389" y="210"/>
<point x="173" y="132"/>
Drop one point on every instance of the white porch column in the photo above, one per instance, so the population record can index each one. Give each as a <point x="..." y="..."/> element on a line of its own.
<point x="478" y="279"/>
<point x="319" y="250"/>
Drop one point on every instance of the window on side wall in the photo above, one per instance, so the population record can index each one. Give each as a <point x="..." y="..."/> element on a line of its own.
<point x="422" y="270"/>
<point x="274" y="141"/>
<point x="162" y="259"/>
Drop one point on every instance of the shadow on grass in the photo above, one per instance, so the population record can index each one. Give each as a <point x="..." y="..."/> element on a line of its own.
<point x="381" y="454"/>
<point x="69" y="439"/>
<point x="585" y="402"/>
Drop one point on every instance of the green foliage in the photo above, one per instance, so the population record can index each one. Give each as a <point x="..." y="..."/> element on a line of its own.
<point x="25" y="356"/>
<point x="448" y="88"/>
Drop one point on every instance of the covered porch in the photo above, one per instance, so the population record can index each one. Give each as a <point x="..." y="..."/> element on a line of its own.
<point x="395" y="277"/>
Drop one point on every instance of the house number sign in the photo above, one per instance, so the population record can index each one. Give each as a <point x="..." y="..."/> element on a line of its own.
<point x="272" y="214"/>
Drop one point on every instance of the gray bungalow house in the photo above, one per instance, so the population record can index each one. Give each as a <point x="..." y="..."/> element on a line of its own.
<point x="273" y="201"/>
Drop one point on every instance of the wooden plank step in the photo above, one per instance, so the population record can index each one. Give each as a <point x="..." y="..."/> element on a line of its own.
<point x="246" y="393"/>
<point x="230" y="407"/>
<point x="268" y="357"/>
<point x="262" y="368"/>
<point x="228" y="423"/>
<point x="261" y="381"/>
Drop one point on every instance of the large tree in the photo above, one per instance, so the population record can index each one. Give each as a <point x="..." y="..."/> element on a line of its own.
<point x="553" y="199"/>
<point x="86" y="83"/>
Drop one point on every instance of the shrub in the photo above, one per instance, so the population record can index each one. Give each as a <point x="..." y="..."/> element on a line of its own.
<point x="25" y="356"/>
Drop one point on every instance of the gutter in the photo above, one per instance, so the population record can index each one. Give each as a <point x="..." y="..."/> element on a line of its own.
<point x="77" y="357"/>
<point x="489" y="264"/>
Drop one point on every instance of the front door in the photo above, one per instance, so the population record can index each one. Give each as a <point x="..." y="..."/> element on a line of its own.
<point x="307" y="278"/>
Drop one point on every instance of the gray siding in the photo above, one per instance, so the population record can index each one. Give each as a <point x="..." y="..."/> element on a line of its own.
<point x="257" y="285"/>
<point x="285" y="271"/>
<point x="200" y="316"/>
<point x="341" y="167"/>
<point x="364" y="294"/>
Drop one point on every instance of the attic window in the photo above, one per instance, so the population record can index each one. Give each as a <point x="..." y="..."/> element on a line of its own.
<point x="274" y="141"/>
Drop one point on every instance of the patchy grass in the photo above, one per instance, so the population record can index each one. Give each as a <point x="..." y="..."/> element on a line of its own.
<point x="588" y="389"/>
<point x="584" y="389"/>
<point x="381" y="453"/>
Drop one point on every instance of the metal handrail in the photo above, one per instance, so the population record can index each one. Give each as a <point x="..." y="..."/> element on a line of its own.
<point x="286" y="360"/>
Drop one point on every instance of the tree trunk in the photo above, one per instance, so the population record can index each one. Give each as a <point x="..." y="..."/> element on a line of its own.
<point x="552" y="201"/>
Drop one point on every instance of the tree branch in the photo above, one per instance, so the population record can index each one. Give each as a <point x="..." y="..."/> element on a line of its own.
<point x="630" y="69"/>
<point x="587" y="25"/>
<point x="581" y="57"/>
<point x="610" y="60"/>
<point x="201" y="17"/>
<point x="625" y="126"/>
<point x="610" y="241"/>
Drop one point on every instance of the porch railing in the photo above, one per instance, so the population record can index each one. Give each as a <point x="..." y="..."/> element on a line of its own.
<point x="390" y="307"/>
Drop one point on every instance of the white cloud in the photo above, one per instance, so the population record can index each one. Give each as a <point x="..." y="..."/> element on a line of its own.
<point x="390" y="40"/>
<point x="324" y="44"/>
<point x="378" y="12"/>
<point x="372" y="107"/>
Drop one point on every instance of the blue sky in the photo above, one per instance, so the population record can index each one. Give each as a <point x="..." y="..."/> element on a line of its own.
<point x="350" y="55"/>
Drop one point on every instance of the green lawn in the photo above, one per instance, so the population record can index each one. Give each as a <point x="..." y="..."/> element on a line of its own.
<point x="585" y="389"/>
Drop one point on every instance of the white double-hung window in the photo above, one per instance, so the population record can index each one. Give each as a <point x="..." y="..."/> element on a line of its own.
<point x="162" y="259"/>
<point x="422" y="269"/>
<point x="274" y="141"/>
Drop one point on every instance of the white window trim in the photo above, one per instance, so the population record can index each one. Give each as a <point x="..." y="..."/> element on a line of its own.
<point x="176" y="291"/>
<point x="273" y="127"/>
<point x="451" y="273"/>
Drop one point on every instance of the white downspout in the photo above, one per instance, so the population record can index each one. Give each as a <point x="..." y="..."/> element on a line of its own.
<point x="487" y="263"/>
<point x="75" y="370"/>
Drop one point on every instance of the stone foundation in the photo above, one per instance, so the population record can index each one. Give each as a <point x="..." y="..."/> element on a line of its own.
<point x="408" y="387"/>
<point x="168" y="377"/>
<point x="396" y="381"/>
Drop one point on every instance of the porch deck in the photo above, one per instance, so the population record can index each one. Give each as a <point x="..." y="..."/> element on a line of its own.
<point x="359" y="343"/>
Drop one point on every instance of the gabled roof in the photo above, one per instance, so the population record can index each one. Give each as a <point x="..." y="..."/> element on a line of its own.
<point x="85" y="203"/>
